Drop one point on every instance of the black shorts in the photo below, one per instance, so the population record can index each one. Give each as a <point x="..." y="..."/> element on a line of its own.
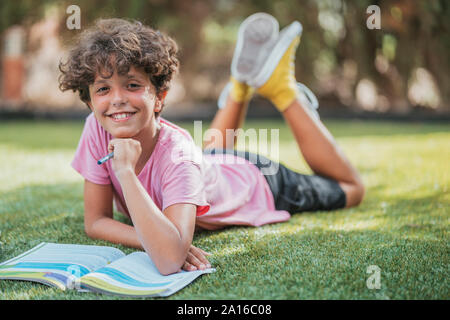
<point x="293" y="191"/>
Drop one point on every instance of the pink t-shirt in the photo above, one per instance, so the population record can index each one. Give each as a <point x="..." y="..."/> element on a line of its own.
<point x="227" y="190"/>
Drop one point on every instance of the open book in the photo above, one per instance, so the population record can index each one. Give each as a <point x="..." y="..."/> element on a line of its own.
<point x="95" y="268"/>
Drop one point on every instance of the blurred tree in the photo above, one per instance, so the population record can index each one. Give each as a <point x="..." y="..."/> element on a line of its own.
<point x="337" y="57"/>
<point x="21" y="12"/>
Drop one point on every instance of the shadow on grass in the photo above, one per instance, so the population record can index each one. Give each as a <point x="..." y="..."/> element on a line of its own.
<point x="325" y="255"/>
<point x="274" y="262"/>
<point x="299" y="259"/>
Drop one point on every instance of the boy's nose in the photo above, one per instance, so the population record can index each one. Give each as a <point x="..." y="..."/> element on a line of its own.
<point x="117" y="103"/>
<point x="118" y="99"/>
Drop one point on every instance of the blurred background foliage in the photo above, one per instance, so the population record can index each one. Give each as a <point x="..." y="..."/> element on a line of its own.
<point x="400" y="67"/>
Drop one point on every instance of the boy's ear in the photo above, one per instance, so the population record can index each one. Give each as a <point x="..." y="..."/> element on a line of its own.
<point x="158" y="105"/>
<point x="160" y="101"/>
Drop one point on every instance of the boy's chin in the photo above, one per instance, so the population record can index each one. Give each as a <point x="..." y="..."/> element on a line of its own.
<point x="121" y="133"/>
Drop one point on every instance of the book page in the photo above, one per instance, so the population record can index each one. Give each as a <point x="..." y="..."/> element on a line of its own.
<point x="137" y="276"/>
<point x="58" y="264"/>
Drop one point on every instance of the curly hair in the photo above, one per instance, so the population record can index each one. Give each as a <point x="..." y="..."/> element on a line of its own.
<point x="124" y="44"/>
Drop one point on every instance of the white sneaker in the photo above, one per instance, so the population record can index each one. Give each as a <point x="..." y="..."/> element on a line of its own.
<point x="257" y="36"/>
<point x="285" y="38"/>
<point x="258" y="50"/>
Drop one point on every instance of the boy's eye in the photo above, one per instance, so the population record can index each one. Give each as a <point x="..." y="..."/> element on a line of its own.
<point x="134" y="85"/>
<point x="102" y="89"/>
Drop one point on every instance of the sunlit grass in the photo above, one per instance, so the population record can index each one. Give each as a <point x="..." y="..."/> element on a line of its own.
<point x="402" y="225"/>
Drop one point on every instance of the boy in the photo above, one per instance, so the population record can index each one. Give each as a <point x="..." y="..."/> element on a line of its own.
<point x="122" y="71"/>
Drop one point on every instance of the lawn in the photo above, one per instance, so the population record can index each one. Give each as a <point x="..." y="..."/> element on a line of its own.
<point x="401" y="227"/>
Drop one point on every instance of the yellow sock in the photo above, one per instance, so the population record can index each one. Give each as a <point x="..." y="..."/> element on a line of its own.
<point x="281" y="88"/>
<point x="240" y="92"/>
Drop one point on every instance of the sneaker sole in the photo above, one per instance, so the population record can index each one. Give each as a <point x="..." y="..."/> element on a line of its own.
<point x="221" y="102"/>
<point x="308" y="98"/>
<point x="286" y="36"/>
<point x="256" y="35"/>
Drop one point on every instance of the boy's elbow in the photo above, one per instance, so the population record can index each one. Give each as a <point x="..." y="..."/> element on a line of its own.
<point x="94" y="228"/>
<point x="89" y="230"/>
<point x="168" y="271"/>
<point x="168" y="265"/>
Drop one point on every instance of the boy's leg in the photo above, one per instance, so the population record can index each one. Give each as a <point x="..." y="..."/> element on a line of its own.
<point x="315" y="142"/>
<point x="321" y="152"/>
<point x="279" y="86"/>
<point x="256" y="37"/>
<point x="231" y="116"/>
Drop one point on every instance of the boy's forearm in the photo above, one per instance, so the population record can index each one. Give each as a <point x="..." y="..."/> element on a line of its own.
<point x="157" y="234"/>
<point x="116" y="232"/>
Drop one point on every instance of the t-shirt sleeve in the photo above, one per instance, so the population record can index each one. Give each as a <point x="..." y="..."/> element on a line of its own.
<point x="89" y="150"/>
<point x="183" y="183"/>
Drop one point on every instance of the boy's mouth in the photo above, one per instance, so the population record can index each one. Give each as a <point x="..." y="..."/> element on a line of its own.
<point x="121" y="116"/>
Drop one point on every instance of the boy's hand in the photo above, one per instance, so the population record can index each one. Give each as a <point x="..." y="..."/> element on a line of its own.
<point x="126" y="154"/>
<point x="196" y="260"/>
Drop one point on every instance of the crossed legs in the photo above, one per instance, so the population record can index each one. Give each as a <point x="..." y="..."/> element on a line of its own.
<point x="315" y="142"/>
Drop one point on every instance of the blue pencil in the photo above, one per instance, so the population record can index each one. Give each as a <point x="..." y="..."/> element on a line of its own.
<point x="105" y="158"/>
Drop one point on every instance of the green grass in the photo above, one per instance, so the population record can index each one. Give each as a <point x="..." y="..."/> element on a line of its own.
<point x="402" y="225"/>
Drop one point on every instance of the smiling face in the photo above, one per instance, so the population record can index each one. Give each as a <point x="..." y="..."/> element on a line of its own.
<point x="125" y="105"/>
